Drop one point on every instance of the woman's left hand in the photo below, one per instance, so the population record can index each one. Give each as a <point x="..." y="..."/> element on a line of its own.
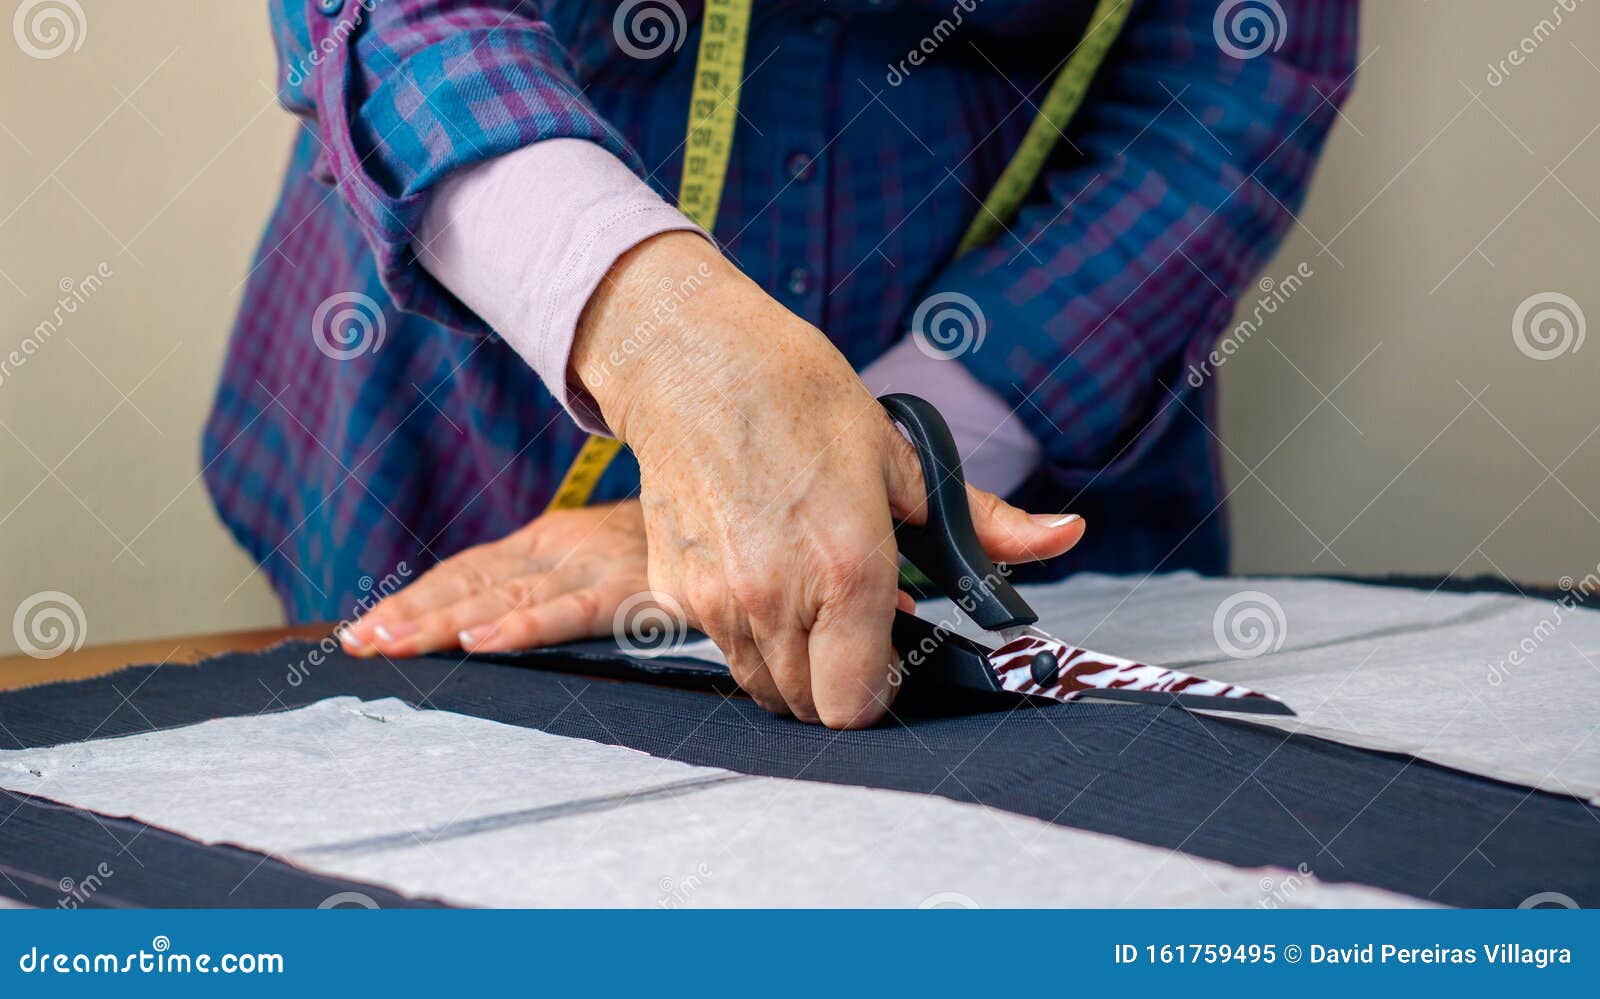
<point x="560" y="577"/>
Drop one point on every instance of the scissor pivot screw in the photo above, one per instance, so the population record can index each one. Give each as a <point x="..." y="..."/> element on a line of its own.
<point x="1045" y="668"/>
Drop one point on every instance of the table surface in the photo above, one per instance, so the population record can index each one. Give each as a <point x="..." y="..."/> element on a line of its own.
<point x="18" y="671"/>
<point x="24" y="671"/>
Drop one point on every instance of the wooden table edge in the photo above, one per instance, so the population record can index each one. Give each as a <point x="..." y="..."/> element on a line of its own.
<point x="18" y="671"/>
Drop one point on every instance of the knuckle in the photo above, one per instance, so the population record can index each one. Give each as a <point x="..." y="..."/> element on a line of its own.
<point x="519" y="593"/>
<point x="984" y="503"/>
<point x="587" y="605"/>
<point x="708" y="596"/>
<point x="757" y="593"/>
<point x="802" y="706"/>
<point x="849" y="575"/>
<point x="472" y="574"/>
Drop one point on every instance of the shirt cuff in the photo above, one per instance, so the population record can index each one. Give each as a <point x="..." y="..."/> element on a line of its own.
<point x="525" y="238"/>
<point x="998" y="452"/>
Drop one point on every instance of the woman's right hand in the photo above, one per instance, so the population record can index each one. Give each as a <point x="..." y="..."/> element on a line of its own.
<point x="770" y="478"/>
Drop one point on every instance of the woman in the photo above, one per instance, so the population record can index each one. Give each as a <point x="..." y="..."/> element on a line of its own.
<point x="493" y="165"/>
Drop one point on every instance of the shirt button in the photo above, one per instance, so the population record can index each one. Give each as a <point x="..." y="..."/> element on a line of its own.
<point x="799" y="281"/>
<point x="799" y="166"/>
<point x="330" y="7"/>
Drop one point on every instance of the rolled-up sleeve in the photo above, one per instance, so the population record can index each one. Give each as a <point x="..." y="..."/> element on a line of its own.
<point x="1193" y="150"/>
<point x="404" y="92"/>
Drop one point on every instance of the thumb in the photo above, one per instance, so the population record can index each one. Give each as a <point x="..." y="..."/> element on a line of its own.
<point x="1007" y="533"/>
<point x="1010" y="534"/>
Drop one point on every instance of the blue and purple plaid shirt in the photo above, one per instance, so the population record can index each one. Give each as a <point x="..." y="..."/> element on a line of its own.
<point x="412" y="431"/>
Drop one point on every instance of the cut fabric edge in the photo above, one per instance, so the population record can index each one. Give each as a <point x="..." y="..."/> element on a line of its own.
<point x="263" y="880"/>
<point x="1278" y="886"/>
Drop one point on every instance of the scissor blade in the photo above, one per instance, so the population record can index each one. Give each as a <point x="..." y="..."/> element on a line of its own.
<point x="1262" y="705"/>
<point x="1034" y="663"/>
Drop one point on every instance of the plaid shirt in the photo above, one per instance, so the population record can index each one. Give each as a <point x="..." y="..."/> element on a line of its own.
<point x="366" y="418"/>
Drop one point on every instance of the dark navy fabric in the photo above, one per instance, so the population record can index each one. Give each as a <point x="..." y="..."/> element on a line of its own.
<point x="1223" y="789"/>
<point x="52" y="856"/>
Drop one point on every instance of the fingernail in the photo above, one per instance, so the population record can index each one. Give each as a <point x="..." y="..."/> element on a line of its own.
<point x="1049" y="520"/>
<point x="466" y="638"/>
<point x="394" y="632"/>
<point x="349" y="639"/>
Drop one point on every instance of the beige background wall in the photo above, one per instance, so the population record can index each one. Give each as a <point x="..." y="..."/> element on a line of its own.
<point x="1444" y="202"/>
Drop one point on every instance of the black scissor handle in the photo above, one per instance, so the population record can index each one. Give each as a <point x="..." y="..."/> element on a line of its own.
<point x="946" y="548"/>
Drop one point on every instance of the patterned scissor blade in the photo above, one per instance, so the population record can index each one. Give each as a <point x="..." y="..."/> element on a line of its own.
<point x="1079" y="672"/>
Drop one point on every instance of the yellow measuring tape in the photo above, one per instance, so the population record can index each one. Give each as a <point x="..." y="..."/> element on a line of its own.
<point x="714" y="108"/>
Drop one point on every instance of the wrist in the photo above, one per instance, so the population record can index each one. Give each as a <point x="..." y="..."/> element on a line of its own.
<point x="636" y="325"/>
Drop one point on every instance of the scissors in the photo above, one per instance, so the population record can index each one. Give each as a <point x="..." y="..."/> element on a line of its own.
<point x="1024" y="660"/>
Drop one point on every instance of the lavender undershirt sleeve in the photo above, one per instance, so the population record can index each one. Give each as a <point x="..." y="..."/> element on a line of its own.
<point x="525" y="238"/>
<point x="998" y="452"/>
